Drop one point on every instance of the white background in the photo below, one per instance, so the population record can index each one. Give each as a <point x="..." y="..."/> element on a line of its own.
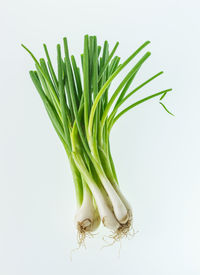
<point x="157" y="155"/>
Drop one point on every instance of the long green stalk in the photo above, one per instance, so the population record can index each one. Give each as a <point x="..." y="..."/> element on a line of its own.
<point x="82" y="110"/>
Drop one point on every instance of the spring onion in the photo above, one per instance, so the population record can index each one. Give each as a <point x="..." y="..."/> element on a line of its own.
<point x="82" y="113"/>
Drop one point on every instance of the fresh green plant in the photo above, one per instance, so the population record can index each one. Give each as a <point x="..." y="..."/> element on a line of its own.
<point x="83" y="114"/>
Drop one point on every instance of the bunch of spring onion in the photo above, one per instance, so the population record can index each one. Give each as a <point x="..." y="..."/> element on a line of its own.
<point x="78" y="104"/>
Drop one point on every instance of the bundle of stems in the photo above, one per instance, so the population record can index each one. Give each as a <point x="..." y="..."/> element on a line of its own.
<point x="83" y="114"/>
